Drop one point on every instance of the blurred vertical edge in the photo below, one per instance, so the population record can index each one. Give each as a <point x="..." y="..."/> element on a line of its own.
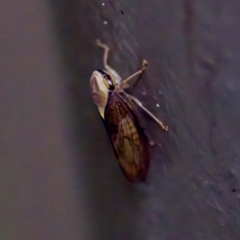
<point x="40" y="195"/>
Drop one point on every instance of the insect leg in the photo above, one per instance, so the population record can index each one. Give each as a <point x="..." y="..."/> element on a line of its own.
<point x="165" y="128"/>
<point x="105" y="58"/>
<point x="125" y="81"/>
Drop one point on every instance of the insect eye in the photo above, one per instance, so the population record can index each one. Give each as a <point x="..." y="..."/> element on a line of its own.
<point x="108" y="81"/>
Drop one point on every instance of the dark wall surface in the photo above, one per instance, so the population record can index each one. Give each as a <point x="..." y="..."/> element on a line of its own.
<point x="59" y="178"/>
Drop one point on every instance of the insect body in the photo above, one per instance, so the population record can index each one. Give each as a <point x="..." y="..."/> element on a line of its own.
<point x="120" y="114"/>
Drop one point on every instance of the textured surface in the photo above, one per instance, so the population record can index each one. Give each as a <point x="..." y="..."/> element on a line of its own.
<point x="59" y="177"/>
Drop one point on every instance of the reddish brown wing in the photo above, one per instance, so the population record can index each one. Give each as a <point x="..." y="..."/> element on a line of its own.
<point x="125" y="129"/>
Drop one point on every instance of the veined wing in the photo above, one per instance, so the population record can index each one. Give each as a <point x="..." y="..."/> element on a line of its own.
<point x="125" y="129"/>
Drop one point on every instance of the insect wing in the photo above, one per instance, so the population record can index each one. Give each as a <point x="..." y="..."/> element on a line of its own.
<point x="125" y="129"/>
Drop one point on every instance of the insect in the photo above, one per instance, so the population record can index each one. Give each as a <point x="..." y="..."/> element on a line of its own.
<point x="121" y="117"/>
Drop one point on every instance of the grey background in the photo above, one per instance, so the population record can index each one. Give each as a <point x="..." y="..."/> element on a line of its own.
<point x="58" y="175"/>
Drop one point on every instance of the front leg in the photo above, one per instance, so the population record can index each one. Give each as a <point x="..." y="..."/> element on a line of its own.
<point x="125" y="81"/>
<point x="105" y="58"/>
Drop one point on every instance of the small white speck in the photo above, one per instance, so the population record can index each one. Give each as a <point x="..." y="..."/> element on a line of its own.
<point x="157" y="105"/>
<point x="103" y="4"/>
<point x="159" y="92"/>
<point x="105" y="22"/>
<point x="143" y="93"/>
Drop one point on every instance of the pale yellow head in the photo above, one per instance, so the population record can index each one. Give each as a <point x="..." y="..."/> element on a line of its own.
<point x="101" y="82"/>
